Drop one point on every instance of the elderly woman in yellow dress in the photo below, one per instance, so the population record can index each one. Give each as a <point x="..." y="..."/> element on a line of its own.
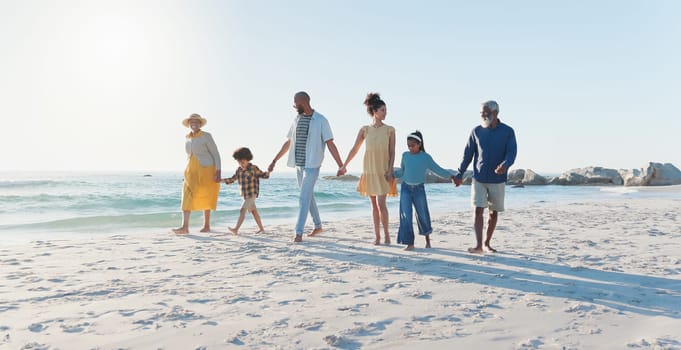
<point x="202" y="175"/>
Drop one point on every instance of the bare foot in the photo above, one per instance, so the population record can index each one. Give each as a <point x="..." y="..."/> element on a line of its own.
<point x="387" y="240"/>
<point x="475" y="250"/>
<point x="490" y="249"/>
<point x="233" y="230"/>
<point x="409" y="247"/>
<point x="377" y="241"/>
<point x="428" y="245"/>
<point x="315" y="232"/>
<point x="298" y="239"/>
<point x="260" y="231"/>
<point x="205" y="229"/>
<point x="181" y="231"/>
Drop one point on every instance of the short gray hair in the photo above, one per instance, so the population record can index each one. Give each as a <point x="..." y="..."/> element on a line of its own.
<point x="492" y="105"/>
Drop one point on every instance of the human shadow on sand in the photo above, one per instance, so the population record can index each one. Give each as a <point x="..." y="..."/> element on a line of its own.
<point x="646" y="295"/>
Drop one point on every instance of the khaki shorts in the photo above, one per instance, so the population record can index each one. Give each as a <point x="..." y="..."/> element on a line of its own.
<point x="484" y="195"/>
<point x="248" y="204"/>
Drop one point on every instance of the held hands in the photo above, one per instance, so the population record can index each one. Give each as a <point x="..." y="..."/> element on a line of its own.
<point x="500" y="169"/>
<point x="271" y="167"/>
<point x="389" y="176"/>
<point x="457" y="182"/>
<point x="341" y="171"/>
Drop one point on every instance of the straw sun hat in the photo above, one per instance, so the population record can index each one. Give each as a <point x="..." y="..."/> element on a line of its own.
<point x="194" y="116"/>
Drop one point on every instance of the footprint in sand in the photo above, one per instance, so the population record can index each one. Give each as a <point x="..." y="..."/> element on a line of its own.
<point x="362" y="291"/>
<point x="7" y="308"/>
<point x="390" y="286"/>
<point x="418" y="294"/>
<point x="342" y="342"/>
<point x="283" y="323"/>
<point x="178" y="313"/>
<point x="129" y="313"/>
<point x="659" y="343"/>
<point x="201" y="301"/>
<point x="310" y="326"/>
<point x="389" y="300"/>
<point x="423" y="319"/>
<point x="75" y="328"/>
<point x="10" y="262"/>
<point x="449" y="318"/>
<point x="531" y="344"/>
<point x="35" y="346"/>
<point x="236" y="339"/>
<point x="37" y="327"/>
<point x="368" y="329"/>
<point x="355" y="308"/>
<point x="581" y="309"/>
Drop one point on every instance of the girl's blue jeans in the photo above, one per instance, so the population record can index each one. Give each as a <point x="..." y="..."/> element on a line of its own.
<point x="413" y="196"/>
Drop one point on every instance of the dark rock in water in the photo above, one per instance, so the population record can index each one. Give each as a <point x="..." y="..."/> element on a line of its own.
<point x="341" y="178"/>
<point x="518" y="186"/>
<point x="147" y="175"/>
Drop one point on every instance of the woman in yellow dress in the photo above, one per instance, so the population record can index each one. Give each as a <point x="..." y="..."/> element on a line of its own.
<point x="202" y="175"/>
<point x="377" y="180"/>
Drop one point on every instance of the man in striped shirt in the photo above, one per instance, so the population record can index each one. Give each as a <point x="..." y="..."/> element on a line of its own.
<point x="309" y="136"/>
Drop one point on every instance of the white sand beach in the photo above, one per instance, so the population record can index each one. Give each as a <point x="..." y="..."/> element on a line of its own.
<point x="598" y="275"/>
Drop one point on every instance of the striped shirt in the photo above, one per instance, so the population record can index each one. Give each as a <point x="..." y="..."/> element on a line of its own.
<point x="301" y="138"/>
<point x="249" y="180"/>
<point x="318" y="134"/>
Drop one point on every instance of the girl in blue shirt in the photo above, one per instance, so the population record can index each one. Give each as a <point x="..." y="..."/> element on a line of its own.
<point x="412" y="170"/>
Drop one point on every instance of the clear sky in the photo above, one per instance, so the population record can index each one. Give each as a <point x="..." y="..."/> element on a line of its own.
<point x="104" y="85"/>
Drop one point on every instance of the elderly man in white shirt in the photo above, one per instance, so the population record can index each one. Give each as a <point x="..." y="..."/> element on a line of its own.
<point x="308" y="137"/>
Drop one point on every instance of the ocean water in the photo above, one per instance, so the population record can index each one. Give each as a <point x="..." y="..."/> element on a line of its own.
<point x="53" y="205"/>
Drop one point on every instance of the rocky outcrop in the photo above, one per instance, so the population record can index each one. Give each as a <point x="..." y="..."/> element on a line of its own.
<point x="341" y="178"/>
<point x="655" y="174"/>
<point x="589" y="176"/>
<point x="431" y="178"/>
<point x="527" y="177"/>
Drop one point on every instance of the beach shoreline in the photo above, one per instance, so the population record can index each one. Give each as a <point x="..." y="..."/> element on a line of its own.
<point x="593" y="274"/>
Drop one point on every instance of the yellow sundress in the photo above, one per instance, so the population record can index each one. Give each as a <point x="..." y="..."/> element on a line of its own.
<point x="200" y="191"/>
<point x="376" y="158"/>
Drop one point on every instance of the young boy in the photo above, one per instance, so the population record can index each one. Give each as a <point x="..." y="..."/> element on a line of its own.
<point x="248" y="176"/>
